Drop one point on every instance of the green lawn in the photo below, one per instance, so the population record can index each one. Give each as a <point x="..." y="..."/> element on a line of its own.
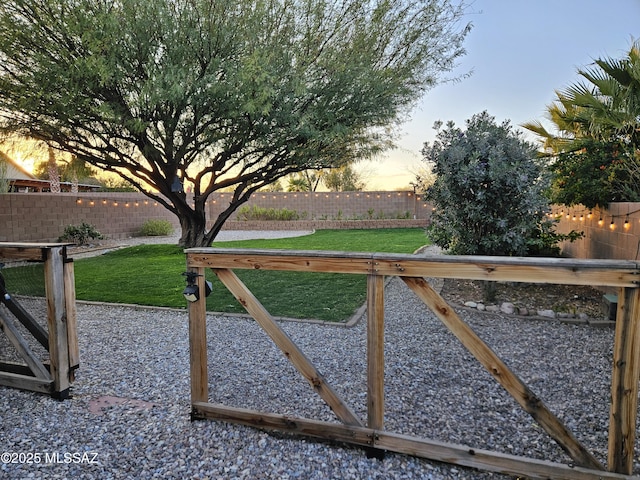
<point x="151" y="275"/>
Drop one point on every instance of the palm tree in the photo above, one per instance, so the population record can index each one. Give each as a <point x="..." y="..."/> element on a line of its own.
<point x="599" y="113"/>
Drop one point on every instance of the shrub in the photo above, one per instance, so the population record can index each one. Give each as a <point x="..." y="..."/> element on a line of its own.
<point x="247" y="213"/>
<point x="156" y="228"/>
<point x="80" y="234"/>
<point x="488" y="190"/>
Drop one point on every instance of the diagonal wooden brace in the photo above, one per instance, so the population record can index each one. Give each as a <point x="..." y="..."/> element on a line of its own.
<point x="505" y="377"/>
<point x="287" y="346"/>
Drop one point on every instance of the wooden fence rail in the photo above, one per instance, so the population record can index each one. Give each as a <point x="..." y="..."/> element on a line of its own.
<point x="625" y="275"/>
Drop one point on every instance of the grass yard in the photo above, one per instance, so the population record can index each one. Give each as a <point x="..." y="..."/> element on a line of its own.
<point x="151" y="275"/>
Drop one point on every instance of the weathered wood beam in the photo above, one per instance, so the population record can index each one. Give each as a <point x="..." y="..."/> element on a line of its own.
<point x="57" y="321"/>
<point x="375" y="352"/>
<point x="27" y="250"/>
<point x="624" y="382"/>
<point x="501" y="372"/>
<point x="23" y="382"/>
<point x="325" y="262"/>
<point x="30" y="323"/>
<point x="618" y="273"/>
<point x="23" y="349"/>
<point x="69" y="285"/>
<point x="287" y="346"/>
<point x="429" y="449"/>
<point x="198" y="342"/>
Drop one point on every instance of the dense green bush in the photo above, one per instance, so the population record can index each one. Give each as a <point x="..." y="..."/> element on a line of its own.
<point x="488" y="191"/>
<point x="156" y="228"/>
<point x="80" y="234"/>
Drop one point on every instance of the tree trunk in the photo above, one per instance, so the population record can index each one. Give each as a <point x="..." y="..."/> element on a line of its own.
<point x="489" y="290"/>
<point x="54" y="176"/>
<point x="193" y="232"/>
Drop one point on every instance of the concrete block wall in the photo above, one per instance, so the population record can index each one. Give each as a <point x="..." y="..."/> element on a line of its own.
<point x="39" y="217"/>
<point x="42" y="217"/>
<point x="612" y="233"/>
<point x="333" y="205"/>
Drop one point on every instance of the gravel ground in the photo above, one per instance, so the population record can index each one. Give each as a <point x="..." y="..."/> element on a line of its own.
<point x="129" y="412"/>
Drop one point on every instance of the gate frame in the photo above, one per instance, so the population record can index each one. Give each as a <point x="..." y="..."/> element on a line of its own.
<point x="56" y="378"/>
<point x="412" y="269"/>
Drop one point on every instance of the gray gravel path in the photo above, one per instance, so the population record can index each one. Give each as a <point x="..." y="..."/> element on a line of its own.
<point x="129" y="415"/>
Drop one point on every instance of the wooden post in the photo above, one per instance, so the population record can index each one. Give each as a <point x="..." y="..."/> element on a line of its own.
<point x="198" y="342"/>
<point x="624" y="382"/>
<point x="72" y="323"/>
<point x="56" y="321"/>
<point x="375" y="351"/>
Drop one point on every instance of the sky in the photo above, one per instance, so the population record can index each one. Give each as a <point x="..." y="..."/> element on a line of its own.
<point x="519" y="52"/>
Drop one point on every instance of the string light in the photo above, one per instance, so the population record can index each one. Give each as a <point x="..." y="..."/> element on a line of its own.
<point x="626" y="223"/>
<point x="601" y="221"/>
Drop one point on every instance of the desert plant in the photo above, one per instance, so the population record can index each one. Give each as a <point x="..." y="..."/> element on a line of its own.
<point x="156" y="228"/>
<point x="80" y="234"/>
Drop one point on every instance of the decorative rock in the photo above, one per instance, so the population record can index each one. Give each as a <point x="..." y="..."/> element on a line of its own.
<point x="470" y="304"/>
<point x="481" y="307"/>
<point x="583" y="316"/>
<point x="523" y="311"/>
<point x="507" y="307"/>
<point x="547" y="313"/>
<point x="492" y="308"/>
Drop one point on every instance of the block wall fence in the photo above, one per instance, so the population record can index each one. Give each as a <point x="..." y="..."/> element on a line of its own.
<point x="612" y="233"/>
<point x="40" y="217"/>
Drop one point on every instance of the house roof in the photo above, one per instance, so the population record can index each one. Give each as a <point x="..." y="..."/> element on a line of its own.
<point x="14" y="170"/>
<point x="19" y="178"/>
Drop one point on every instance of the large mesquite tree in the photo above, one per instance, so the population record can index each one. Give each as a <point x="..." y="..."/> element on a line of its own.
<point x="219" y="94"/>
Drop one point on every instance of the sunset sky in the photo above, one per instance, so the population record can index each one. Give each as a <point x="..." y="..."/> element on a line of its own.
<point x="519" y="53"/>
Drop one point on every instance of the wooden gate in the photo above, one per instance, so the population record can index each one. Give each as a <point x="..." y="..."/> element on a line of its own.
<point x="59" y="339"/>
<point x="412" y="269"/>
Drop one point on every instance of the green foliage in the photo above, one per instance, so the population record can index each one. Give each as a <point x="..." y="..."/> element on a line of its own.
<point x="198" y="89"/>
<point x="156" y="227"/>
<point x="343" y="179"/>
<point x="247" y="213"/>
<point x="74" y="170"/>
<point x="595" y="154"/>
<point x="488" y="191"/>
<point x="544" y="241"/>
<point x="597" y="174"/>
<point x="80" y="234"/>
